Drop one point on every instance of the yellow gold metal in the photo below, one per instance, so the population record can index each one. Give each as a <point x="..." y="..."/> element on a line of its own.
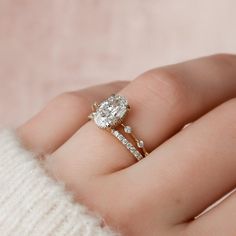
<point x="94" y="106"/>
<point x="136" y="141"/>
<point x="90" y="116"/>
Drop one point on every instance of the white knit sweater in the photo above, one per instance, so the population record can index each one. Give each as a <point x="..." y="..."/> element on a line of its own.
<point x="31" y="203"/>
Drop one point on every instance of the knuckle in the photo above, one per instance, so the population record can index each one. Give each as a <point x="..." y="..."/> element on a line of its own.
<point x="226" y="115"/>
<point x="164" y="85"/>
<point x="225" y="59"/>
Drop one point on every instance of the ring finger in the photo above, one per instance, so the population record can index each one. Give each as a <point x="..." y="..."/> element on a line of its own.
<point x="162" y="101"/>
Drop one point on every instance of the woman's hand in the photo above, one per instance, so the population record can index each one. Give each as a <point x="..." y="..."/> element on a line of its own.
<point x="187" y="169"/>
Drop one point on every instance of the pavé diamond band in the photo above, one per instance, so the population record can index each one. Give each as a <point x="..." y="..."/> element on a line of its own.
<point x="110" y="115"/>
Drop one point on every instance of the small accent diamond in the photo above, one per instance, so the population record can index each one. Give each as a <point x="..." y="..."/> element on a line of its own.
<point x="140" y="144"/>
<point x="124" y="141"/>
<point x="129" y="145"/>
<point x="127" y="129"/>
<point x="132" y="149"/>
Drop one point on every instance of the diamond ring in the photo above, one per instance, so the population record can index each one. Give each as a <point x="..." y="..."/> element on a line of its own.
<point x="110" y="115"/>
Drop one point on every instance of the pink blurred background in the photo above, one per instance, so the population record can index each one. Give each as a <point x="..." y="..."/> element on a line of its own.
<point x="47" y="47"/>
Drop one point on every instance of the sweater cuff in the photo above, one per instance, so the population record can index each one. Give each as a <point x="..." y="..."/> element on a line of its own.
<point x="32" y="203"/>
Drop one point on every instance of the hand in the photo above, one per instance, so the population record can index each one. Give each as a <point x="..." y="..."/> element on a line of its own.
<point x="187" y="169"/>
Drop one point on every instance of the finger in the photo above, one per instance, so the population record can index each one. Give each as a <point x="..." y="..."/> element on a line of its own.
<point x="193" y="169"/>
<point x="218" y="221"/>
<point x="164" y="100"/>
<point x="62" y="117"/>
<point x="161" y="101"/>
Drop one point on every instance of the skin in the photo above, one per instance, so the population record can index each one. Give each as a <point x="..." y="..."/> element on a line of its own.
<point x="187" y="170"/>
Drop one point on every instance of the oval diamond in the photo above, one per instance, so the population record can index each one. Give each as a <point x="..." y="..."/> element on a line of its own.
<point x="111" y="112"/>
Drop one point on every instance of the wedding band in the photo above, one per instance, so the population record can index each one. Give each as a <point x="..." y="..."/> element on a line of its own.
<point x="110" y="115"/>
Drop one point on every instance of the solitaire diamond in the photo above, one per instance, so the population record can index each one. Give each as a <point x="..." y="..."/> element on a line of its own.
<point x="111" y="112"/>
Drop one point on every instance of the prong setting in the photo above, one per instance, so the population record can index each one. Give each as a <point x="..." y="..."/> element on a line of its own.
<point x="90" y="116"/>
<point x="95" y="106"/>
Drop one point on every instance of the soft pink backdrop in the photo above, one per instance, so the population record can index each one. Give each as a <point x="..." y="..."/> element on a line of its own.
<point x="50" y="46"/>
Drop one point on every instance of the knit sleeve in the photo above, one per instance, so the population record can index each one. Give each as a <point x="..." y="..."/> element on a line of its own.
<point x="31" y="203"/>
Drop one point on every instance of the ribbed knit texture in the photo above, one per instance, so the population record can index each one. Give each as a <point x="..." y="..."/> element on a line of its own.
<point x="31" y="203"/>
